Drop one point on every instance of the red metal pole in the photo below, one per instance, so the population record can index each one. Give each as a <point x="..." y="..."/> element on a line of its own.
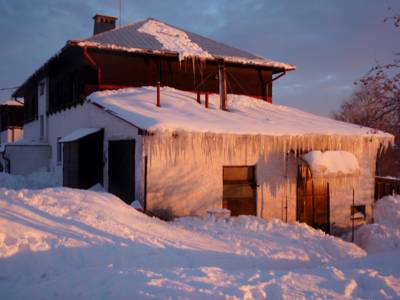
<point x="158" y="94"/>
<point x="206" y="100"/>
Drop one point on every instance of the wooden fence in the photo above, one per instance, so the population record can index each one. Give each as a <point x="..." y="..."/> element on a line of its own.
<point x="386" y="186"/>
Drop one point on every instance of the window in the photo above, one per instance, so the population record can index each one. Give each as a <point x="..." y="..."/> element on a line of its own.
<point x="41" y="88"/>
<point x="358" y="212"/>
<point x="41" y="126"/>
<point x="59" y="151"/>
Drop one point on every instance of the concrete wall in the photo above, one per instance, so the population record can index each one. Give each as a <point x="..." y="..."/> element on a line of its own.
<point x="25" y="159"/>
<point x="185" y="174"/>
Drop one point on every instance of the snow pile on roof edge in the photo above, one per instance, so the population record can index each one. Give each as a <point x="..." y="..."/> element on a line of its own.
<point x="331" y="163"/>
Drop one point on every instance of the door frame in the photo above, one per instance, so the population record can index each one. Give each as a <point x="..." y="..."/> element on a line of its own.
<point x="328" y="202"/>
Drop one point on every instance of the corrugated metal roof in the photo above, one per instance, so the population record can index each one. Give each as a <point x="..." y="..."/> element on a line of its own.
<point x="129" y="37"/>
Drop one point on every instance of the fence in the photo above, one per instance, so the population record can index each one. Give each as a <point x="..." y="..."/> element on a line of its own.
<point x="386" y="186"/>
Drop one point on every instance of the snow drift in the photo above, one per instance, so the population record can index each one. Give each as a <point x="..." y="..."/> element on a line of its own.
<point x="384" y="234"/>
<point x="61" y="243"/>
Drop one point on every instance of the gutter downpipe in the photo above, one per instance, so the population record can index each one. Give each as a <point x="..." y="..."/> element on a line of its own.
<point x="93" y="63"/>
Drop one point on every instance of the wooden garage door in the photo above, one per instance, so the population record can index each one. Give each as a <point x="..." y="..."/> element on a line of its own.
<point x="239" y="194"/>
<point x="312" y="200"/>
<point x="121" y="169"/>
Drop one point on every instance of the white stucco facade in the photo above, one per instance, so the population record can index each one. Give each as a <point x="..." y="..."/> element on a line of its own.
<point x="185" y="174"/>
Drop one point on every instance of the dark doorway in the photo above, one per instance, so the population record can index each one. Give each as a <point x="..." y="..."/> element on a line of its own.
<point x="312" y="200"/>
<point x="240" y="190"/>
<point x="121" y="169"/>
<point x="83" y="161"/>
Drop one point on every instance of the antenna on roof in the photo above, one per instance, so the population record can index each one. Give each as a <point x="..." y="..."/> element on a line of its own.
<point x="120" y="12"/>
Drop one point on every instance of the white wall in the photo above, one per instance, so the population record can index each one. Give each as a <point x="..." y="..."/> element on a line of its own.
<point x="185" y="173"/>
<point x="31" y="131"/>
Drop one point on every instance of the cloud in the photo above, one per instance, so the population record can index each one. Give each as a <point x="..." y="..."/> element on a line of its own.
<point x="333" y="43"/>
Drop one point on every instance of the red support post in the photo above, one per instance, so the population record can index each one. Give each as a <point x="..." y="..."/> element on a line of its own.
<point x="158" y="94"/>
<point x="206" y="100"/>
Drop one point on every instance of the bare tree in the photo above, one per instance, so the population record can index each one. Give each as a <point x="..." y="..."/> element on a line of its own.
<point x="376" y="102"/>
<point x="372" y="106"/>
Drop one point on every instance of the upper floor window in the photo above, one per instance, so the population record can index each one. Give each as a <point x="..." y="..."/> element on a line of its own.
<point x="41" y="88"/>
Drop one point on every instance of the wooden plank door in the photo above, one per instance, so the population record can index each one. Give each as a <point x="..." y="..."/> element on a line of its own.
<point x="121" y="169"/>
<point x="312" y="201"/>
<point x="240" y="190"/>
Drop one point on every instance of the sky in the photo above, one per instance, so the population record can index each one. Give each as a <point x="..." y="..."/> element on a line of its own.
<point x="332" y="43"/>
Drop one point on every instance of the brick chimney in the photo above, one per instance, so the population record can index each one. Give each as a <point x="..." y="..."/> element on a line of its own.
<point x="103" y="23"/>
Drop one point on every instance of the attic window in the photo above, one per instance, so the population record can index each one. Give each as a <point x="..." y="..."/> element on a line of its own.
<point x="358" y="212"/>
<point x="41" y="88"/>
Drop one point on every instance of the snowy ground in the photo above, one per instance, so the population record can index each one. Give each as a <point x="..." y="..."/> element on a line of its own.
<point x="60" y="243"/>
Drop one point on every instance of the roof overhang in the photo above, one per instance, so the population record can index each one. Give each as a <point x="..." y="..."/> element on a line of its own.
<point x="79" y="134"/>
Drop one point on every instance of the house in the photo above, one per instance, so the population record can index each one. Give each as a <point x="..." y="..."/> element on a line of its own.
<point x="185" y="125"/>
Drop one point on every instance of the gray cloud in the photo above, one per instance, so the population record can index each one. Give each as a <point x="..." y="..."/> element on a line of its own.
<point x="333" y="43"/>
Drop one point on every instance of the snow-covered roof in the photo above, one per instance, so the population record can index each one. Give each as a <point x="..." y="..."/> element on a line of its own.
<point x="331" y="163"/>
<point x="78" y="134"/>
<point x="180" y="111"/>
<point x="158" y="37"/>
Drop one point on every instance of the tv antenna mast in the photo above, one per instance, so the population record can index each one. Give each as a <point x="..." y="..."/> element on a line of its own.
<point x="120" y="12"/>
